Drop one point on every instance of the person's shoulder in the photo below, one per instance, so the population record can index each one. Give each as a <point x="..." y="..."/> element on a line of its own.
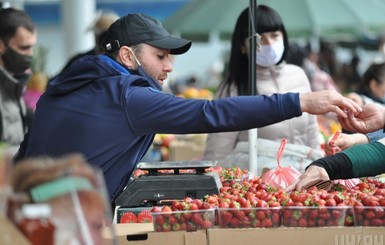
<point x="293" y="68"/>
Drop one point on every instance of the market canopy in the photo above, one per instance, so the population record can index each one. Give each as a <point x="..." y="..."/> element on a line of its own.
<point x="331" y="19"/>
<point x="199" y="18"/>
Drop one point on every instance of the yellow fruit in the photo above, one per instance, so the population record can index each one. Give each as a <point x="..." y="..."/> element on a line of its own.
<point x="191" y="93"/>
<point x="206" y="94"/>
<point x="38" y="82"/>
<point x="157" y="139"/>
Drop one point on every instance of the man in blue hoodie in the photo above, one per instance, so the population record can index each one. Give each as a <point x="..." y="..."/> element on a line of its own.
<point x="109" y="107"/>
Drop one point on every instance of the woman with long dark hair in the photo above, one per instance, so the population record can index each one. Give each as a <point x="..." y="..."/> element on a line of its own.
<point x="274" y="75"/>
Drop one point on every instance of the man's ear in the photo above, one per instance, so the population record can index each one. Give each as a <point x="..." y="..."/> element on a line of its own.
<point x="126" y="57"/>
<point x="373" y="86"/>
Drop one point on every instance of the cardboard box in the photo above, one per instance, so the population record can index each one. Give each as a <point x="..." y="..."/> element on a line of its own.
<point x="298" y="236"/>
<point x="188" y="147"/>
<point x="10" y="235"/>
<point x="143" y="234"/>
<point x="185" y="151"/>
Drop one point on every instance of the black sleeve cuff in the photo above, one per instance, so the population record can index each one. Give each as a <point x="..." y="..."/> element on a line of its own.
<point x="338" y="166"/>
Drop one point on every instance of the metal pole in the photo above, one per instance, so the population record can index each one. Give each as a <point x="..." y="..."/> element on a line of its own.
<point x="253" y="133"/>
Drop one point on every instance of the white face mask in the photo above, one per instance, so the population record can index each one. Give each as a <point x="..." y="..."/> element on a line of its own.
<point x="270" y="54"/>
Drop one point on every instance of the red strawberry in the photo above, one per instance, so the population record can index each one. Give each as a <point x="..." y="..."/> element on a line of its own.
<point x="226" y="217"/>
<point x="166" y="210"/>
<point x="176" y="227"/>
<point x="206" y="224"/>
<point x="266" y="223"/>
<point x="166" y="227"/>
<point x="128" y="217"/>
<point x="302" y="222"/>
<point x="144" y="217"/>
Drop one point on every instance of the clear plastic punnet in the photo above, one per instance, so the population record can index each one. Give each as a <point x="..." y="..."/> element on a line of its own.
<point x="83" y="215"/>
<point x="76" y="192"/>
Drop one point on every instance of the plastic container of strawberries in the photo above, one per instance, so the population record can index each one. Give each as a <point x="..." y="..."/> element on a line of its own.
<point x="135" y="210"/>
<point x="369" y="215"/>
<point x="249" y="217"/>
<point x="191" y="220"/>
<point x="314" y="216"/>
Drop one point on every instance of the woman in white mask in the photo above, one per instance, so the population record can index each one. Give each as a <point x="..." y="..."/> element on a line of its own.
<point x="274" y="75"/>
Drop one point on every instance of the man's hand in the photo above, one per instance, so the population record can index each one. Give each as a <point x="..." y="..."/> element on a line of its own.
<point x="328" y="101"/>
<point x="312" y="176"/>
<point x="371" y="118"/>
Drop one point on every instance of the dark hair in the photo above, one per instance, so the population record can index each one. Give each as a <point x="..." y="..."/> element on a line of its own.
<point x="266" y="20"/>
<point x="375" y="71"/>
<point x="238" y="63"/>
<point x="11" y="19"/>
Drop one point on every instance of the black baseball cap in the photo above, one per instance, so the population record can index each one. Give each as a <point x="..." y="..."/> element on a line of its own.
<point x="134" y="29"/>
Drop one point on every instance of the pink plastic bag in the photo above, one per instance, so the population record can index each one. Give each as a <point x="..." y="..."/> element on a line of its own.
<point x="281" y="176"/>
<point x="348" y="183"/>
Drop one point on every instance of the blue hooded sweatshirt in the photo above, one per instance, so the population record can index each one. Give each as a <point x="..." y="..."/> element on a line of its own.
<point x="99" y="108"/>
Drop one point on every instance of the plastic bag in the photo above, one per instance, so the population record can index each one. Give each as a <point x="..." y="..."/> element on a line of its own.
<point x="348" y="183"/>
<point x="298" y="156"/>
<point x="281" y="176"/>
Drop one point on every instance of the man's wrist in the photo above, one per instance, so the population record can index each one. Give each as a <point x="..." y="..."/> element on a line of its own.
<point x="302" y="101"/>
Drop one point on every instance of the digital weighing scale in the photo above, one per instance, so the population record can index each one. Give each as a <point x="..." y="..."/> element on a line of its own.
<point x="167" y="181"/>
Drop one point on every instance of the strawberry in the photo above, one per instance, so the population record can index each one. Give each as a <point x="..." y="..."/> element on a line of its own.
<point x="128" y="217"/>
<point x="206" y="224"/>
<point x="370" y="214"/>
<point x="337" y="214"/>
<point x="260" y="215"/>
<point x="166" y="227"/>
<point x="197" y="219"/>
<point x="376" y="222"/>
<point x="160" y="220"/>
<point x="176" y="205"/>
<point x="349" y="221"/>
<point x="212" y="200"/>
<point x="144" y="217"/>
<point x="226" y="217"/>
<point x="176" y="227"/>
<point x="240" y="214"/>
<point x="235" y="222"/>
<point x="166" y="211"/>
<point x="266" y="223"/>
<point x="302" y="222"/>
<point x="156" y="209"/>
<point x="172" y="220"/>
<point x="276" y="219"/>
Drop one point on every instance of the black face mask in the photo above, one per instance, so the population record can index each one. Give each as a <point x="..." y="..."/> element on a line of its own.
<point x="15" y="62"/>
